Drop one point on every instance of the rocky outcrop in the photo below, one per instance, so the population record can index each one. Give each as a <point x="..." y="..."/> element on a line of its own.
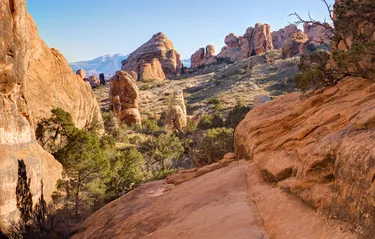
<point x="295" y="45"/>
<point x="134" y="75"/>
<point x="94" y="81"/>
<point x="52" y="84"/>
<point x="81" y="73"/>
<point x="260" y="100"/>
<point x="159" y="47"/>
<point x="318" y="35"/>
<point x="151" y="71"/>
<point x="17" y="140"/>
<point x="176" y="118"/>
<point x="321" y="149"/>
<point x="203" y="57"/>
<point x="255" y="41"/>
<point x="102" y="79"/>
<point x="280" y="37"/>
<point x="124" y="98"/>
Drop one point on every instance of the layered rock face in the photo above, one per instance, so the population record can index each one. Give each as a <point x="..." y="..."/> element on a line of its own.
<point x="52" y="84"/>
<point x="295" y="45"/>
<point x="152" y="71"/>
<point x="176" y="117"/>
<point x="318" y="35"/>
<point x="281" y="36"/>
<point x="321" y="149"/>
<point x="17" y="140"/>
<point x="159" y="47"/>
<point x="255" y="41"/>
<point x="124" y="98"/>
<point x="203" y="57"/>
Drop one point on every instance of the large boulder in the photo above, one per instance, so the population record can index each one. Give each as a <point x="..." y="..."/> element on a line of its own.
<point x="321" y="149"/>
<point x="81" y="73"/>
<point x="295" y="45"/>
<point x="18" y="147"/>
<point x="94" y="81"/>
<point x="152" y="71"/>
<point x="280" y="37"/>
<point x="159" y="47"/>
<point x="176" y="118"/>
<point x="124" y="98"/>
<point x="52" y="84"/>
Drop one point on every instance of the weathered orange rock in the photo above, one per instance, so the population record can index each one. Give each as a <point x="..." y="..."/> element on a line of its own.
<point x="134" y="75"/>
<point x="152" y="71"/>
<point x="322" y="149"/>
<point x="124" y="98"/>
<point x="17" y="140"/>
<point x="52" y="84"/>
<point x="280" y="37"/>
<point x="81" y="73"/>
<point x="295" y="45"/>
<point x="255" y="41"/>
<point x="160" y="47"/>
<point x="94" y="81"/>
<point x="176" y="117"/>
<point x="317" y="34"/>
<point x="203" y="57"/>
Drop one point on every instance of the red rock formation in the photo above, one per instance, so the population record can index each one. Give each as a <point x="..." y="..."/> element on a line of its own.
<point x="176" y="117"/>
<point x="124" y="98"/>
<point x="17" y="140"/>
<point x="81" y="73"/>
<point x="94" y="81"/>
<point x="318" y="35"/>
<point x="152" y="71"/>
<point x="203" y="57"/>
<point x="255" y="41"/>
<point x="53" y="84"/>
<point x="295" y="45"/>
<point x="280" y="37"/>
<point x="321" y="149"/>
<point x="160" y="47"/>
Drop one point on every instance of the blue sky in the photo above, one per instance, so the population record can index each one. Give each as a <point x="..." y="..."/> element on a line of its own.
<point x="85" y="29"/>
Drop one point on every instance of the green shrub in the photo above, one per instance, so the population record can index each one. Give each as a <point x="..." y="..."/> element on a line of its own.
<point x="160" y="153"/>
<point x="236" y="115"/>
<point x="205" y="122"/>
<point x="126" y="172"/>
<point x="214" y="145"/>
<point x="163" y="174"/>
<point x="218" y="105"/>
<point x="314" y="72"/>
<point x="217" y="121"/>
<point x="190" y="127"/>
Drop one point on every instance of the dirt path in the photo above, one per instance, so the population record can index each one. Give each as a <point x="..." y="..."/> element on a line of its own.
<point x="285" y="216"/>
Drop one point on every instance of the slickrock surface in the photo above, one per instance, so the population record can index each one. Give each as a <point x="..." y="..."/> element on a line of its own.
<point x="285" y="216"/>
<point x="17" y="140"/>
<point x="52" y="84"/>
<point x="214" y="205"/>
<point x="321" y="149"/>
<point x="159" y="47"/>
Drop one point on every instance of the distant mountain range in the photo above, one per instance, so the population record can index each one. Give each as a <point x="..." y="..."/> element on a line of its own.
<point x="107" y="64"/>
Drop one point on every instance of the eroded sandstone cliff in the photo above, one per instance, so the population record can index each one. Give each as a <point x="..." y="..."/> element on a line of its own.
<point x="51" y="83"/>
<point x="17" y="140"/>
